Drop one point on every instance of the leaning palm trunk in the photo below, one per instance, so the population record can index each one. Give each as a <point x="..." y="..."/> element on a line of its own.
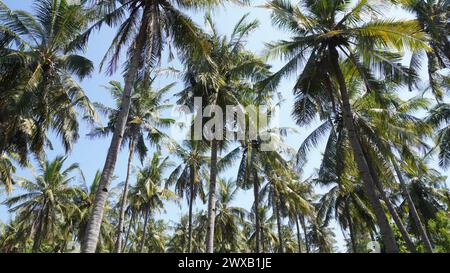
<point x="37" y="238"/>
<point x="398" y="221"/>
<point x="351" y="229"/>
<point x="212" y="199"/>
<point x="303" y="224"/>
<point x="128" y="232"/>
<point x="369" y="186"/>
<point x="413" y="211"/>
<point x="118" y="246"/>
<point x="299" y="236"/>
<point x="144" y="231"/>
<point x="95" y="219"/>
<point x="391" y="209"/>
<point x="191" y="203"/>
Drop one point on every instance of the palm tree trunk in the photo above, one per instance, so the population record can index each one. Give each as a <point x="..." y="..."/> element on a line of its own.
<point x="191" y="204"/>
<point x="212" y="199"/>
<point x="257" y="219"/>
<point x="392" y="211"/>
<point x="118" y="246"/>
<point x="299" y="236"/>
<point x="37" y="238"/>
<point x="128" y="232"/>
<point x="413" y="211"/>
<point x="95" y="219"/>
<point x="144" y="231"/>
<point x="278" y="216"/>
<point x="303" y="224"/>
<point x="43" y="215"/>
<point x="263" y="245"/>
<point x="398" y="223"/>
<point x="350" y="228"/>
<point x="369" y="186"/>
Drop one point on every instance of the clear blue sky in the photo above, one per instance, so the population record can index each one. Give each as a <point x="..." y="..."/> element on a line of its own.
<point x="90" y="154"/>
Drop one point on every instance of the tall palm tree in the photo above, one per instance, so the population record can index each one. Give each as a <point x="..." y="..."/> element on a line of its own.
<point x="425" y="195"/>
<point x="296" y="211"/>
<point x="144" y="118"/>
<point x="145" y="27"/>
<point x="7" y="170"/>
<point x="252" y="154"/>
<point x="386" y="127"/>
<point x="149" y="191"/>
<point x="325" y="31"/>
<point x="439" y="117"/>
<point x="84" y="201"/>
<point x="46" y="199"/>
<point x="321" y="238"/>
<point x="434" y="18"/>
<point x="179" y="241"/>
<point x="345" y="200"/>
<point x="37" y="66"/>
<point x="189" y="175"/>
<point x="218" y="79"/>
<point x="228" y="219"/>
<point x="269" y="240"/>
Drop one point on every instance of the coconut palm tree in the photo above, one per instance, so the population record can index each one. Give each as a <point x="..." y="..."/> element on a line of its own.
<point x="433" y="17"/>
<point x="145" y="27"/>
<point x="345" y="201"/>
<point x="228" y="219"/>
<point x="439" y="117"/>
<point x="269" y="240"/>
<point x="425" y="195"/>
<point x="149" y="191"/>
<point x="7" y="170"/>
<point x="37" y="69"/>
<point x="251" y="152"/>
<point x="219" y="79"/>
<point x="385" y="122"/>
<point x="179" y="242"/>
<point x="46" y="200"/>
<point x="144" y="118"/>
<point x="296" y="211"/>
<point x="84" y="201"/>
<point x="325" y="31"/>
<point x="321" y="238"/>
<point x="189" y="175"/>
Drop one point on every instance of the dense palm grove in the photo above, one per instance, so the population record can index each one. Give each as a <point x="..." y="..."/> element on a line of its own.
<point x="379" y="174"/>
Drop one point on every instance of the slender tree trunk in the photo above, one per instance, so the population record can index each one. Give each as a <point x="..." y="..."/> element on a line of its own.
<point x="191" y="204"/>
<point x="128" y="232"/>
<point x="305" y="232"/>
<point x="399" y="223"/>
<point x="350" y="228"/>
<point x="277" y="214"/>
<point x="299" y="236"/>
<point x="123" y="205"/>
<point x="37" y="238"/>
<point x="263" y="245"/>
<point x="212" y="198"/>
<point x="95" y="219"/>
<point x="393" y="211"/>
<point x="144" y="231"/>
<point x="369" y="186"/>
<point x="413" y="211"/>
<point x="257" y="218"/>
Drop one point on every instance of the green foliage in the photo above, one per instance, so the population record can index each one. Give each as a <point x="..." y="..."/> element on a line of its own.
<point x="439" y="229"/>
<point x="333" y="46"/>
